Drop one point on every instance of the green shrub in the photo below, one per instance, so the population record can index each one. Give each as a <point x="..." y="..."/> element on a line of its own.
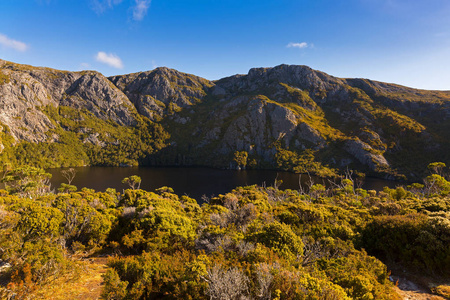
<point x="416" y="241"/>
<point x="280" y="238"/>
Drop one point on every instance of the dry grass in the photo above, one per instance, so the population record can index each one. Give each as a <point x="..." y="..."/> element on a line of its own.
<point x="443" y="290"/>
<point x="87" y="285"/>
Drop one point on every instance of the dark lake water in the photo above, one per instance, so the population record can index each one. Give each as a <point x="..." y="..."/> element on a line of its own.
<point x="193" y="182"/>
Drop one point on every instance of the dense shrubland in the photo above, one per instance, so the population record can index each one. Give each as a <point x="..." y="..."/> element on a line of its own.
<point x="83" y="139"/>
<point x="251" y="243"/>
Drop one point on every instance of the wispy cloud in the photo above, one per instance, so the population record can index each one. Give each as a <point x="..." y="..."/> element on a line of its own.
<point x="13" y="44"/>
<point x="109" y="59"/>
<point x="84" y="66"/>
<point x="99" y="6"/>
<point x="301" y="45"/>
<point x="140" y="9"/>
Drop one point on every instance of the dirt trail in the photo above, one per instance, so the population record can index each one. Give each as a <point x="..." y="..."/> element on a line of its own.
<point x="409" y="290"/>
<point x="88" y="286"/>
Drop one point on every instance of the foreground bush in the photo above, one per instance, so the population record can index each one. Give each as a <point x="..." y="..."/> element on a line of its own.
<point x="252" y="243"/>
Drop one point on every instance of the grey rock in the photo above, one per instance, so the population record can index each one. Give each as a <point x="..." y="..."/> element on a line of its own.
<point x="30" y="89"/>
<point x="361" y="151"/>
<point x="155" y="92"/>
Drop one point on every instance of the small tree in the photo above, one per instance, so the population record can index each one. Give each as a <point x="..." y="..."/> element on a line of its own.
<point x="27" y="181"/>
<point x="134" y="182"/>
<point x="436" y="184"/>
<point x="437" y="167"/>
<point x="240" y="157"/>
<point x="227" y="284"/>
<point x="69" y="174"/>
<point x="67" y="188"/>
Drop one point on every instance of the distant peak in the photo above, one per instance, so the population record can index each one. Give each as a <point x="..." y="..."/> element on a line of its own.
<point x="281" y="67"/>
<point x="163" y="69"/>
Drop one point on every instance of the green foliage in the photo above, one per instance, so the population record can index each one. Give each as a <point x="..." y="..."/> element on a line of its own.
<point x="84" y="139"/>
<point x="67" y="188"/>
<point x="280" y="238"/>
<point x="151" y="275"/>
<point x="300" y="96"/>
<point x="253" y="242"/>
<point x="240" y="157"/>
<point x="115" y="288"/>
<point x="134" y="181"/>
<point x="4" y="78"/>
<point x="86" y="219"/>
<point x="37" y="219"/>
<point x="361" y="276"/>
<point x="301" y="163"/>
<point x="68" y="152"/>
<point x="167" y="224"/>
<point x="26" y="181"/>
<point x="417" y="241"/>
<point x="157" y="221"/>
<point x="391" y="117"/>
<point x="437" y="167"/>
<point x="436" y="184"/>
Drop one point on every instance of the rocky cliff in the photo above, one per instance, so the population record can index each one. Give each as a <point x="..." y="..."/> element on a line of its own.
<point x="286" y="117"/>
<point x="162" y="91"/>
<point x="26" y="90"/>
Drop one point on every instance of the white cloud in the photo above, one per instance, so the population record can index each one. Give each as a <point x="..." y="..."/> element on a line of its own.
<point x="301" y="45"/>
<point x="85" y="66"/>
<point x="140" y="9"/>
<point x="10" y="43"/>
<point x="109" y="59"/>
<point x="100" y="6"/>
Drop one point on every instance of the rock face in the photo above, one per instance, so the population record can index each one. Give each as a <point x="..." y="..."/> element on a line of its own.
<point x="162" y="91"/>
<point x="28" y="90"/>
<point x="356" y="123"/>
<point x="362" y="152"/>
<point x="94" y="92"/>
<point x="254" y="124"/>
<point x="301" y="77"/>
<point x="260" y="125"/>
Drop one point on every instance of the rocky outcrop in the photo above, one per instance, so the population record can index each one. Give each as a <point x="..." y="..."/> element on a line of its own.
<point x="28" y="90"/>
<point x="20" y="101"/>
<point x="346" y="122"/>
<point x="257" y="127"/>
<point x="162" y="91"/>
<point x="94" y="92"/>
<point x="364" y="154"/>
<point x="259" y="79"/>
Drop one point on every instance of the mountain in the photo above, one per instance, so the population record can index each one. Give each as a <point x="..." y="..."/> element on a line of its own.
<point x="286" y="117"/>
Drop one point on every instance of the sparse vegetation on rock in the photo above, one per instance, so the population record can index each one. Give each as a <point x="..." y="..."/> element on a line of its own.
<point x="279" y="116"/>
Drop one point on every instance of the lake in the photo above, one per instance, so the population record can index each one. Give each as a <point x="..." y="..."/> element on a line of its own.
<point x="193" y="182"/>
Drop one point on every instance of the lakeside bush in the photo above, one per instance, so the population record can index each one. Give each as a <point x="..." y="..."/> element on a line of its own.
<point x="251" y="243"/>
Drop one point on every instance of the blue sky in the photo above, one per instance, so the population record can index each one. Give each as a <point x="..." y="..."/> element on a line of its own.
<point x="400" y="41"/>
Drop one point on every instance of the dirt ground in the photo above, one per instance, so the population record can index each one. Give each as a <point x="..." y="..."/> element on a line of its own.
<point x="409" y="290"/>
<point x="88" y="286"/>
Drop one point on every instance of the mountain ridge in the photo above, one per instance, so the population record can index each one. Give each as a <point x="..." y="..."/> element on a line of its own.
<point x="286" y="117"/>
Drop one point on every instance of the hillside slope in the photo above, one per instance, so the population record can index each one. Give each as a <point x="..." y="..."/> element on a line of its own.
<point x="287" y="117"/>
<point x="295" y="118"/>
